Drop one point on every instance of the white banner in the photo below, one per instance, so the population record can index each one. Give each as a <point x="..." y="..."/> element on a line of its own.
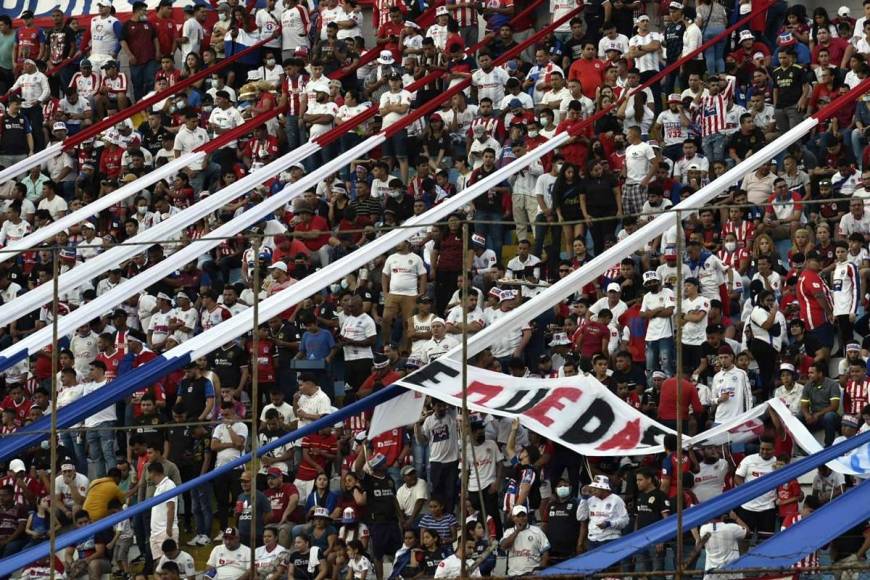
<point x="580" y="413"/>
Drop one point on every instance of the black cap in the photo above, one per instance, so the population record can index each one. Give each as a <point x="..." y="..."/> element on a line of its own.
<point x="165" y="3"/>
<point x="395" y="76"/>
<point x="27" y="14"/>
<point x="813" y="255"/>
<point x="138" y="5"/>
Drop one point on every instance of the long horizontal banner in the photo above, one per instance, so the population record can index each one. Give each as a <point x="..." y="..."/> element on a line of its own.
<point x="579" y="413"/>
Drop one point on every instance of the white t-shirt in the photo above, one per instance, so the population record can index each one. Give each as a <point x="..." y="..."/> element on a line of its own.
<point x="295" y="24"/>
<point x="80" y="482"/>
<point x="486" y="456"/>
<point x="710" y="479"/>
<point x="230" y="564"/>
<point x="524" y="556"/>
<point x="222" y="434"/>
<point x="490" y="84"/>
<point x="316" y="404"/>
<point x="695" y="333"/>
<point x="158" y="512"/>
<point x="734" y="382"/>
<point x="637" y="161"/>
<point x="265" y="560"/>
<point x="408" y="496"/>
<point x="752" y="467"/>
<point x="432" y="348"/>
<point x="315" y="108"/>
<point x="228" y="118"/>
<point x="722" y="546"/>
<point x="402" y="97"/>
<point x="185" y="562"/>
<point x="193" y="31"/>
<point x="358" y="328"/>
<point x="658" y="327"/>
<point x="103" y="416"/>
<point x="649" y="61"/>
<point x="404" y="271"/>
<point x="451" y="567"/>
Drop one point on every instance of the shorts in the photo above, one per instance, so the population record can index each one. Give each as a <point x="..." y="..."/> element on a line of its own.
<point x="396" y="146"/>
<point x="121" y="553"/>
<point x="386" y="538"/>
<point x="763" y="522"/>
<point x="824" y="334"/>
<point x="400" y="304"/>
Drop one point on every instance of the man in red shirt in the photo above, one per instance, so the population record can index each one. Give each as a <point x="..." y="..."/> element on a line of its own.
<point x="110" y="355"/>
<point x="576" y="151"/>
<point x="389" y="32"/>
<point x="284" y="499"/>
<point x="314" y="231"/>
<point x="814" y="299"/>
<point x="588" y="70"/>
<point x="667" y="409"/>
<point x="592" y="338"/>
<point x="836" y="48"/>
<point x="167" y="32"/>
<point x="140" y="41"/>
<point x="18" y="403"/>
<point x="382" y="375"/>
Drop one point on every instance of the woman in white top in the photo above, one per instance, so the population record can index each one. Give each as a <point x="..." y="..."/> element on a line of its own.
<point x="765" y="327"/>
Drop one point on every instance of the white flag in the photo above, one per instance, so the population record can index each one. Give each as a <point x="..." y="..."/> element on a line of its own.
<point x="397" y="412"/>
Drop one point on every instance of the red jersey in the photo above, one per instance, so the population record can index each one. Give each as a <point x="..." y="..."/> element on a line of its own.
<point x="733" y="259"/>
<point x="744" y="232"/>
<point x="315" y="445"/>
<point x="317" y="223"/>
<point x="266" y="353"/>
<point x="110" y="161"/>
<point x="785" y="492"/>
<point x="578" y="152"/>
<point x="669" y="467"/>
<point x="388" y="30"/>
<point x="589" y="73"/>
<point x="390" y="444"/>
<point x="172" y="76"/>
<point x="857" y="395"/>
<point x="589" y="336"/>
<point x="29" y="41"/>
<point x="167" y="32"/>
<point x="21" y="409"/>
<point x="32" y="484"/>
<point x="808" y="285"/>
<point x="112" y="361"/>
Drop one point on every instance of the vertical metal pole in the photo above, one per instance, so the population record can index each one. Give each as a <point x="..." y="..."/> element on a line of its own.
<point x="255" y="404"/>
<point x="466" y="427"/>
<point x="52" y="473"/>
<point x="678" y="344"/>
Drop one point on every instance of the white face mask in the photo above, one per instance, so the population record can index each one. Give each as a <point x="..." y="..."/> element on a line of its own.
<point x="223" y="16"/>
<point x="533" y="133"/>
<point x="563" y="491"/>
<point x="730" y="246"/>
<point x="270" y="62"/>
<point x="141" y="209"/>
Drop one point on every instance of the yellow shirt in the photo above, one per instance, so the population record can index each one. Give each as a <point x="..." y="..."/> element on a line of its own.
<point x="100" y="492"/>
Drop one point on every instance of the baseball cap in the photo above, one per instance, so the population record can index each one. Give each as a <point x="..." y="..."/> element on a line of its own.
<point x="675" y="98"/>
<point x="67" y="467"/>
<point x="409" y="469"/>
<point x="231" y="533"/>
<point x="675" y="6"/>
<point x="843" y="11"/>
<point x="348" y="516"/>
<point x="274" y="472"/>
<point x="441" y="11"/>
<point x="59" y="126"/>
<point x="641" y="18"/>
<point x="519" y="509"/>
<point x="17" y="466"/>
<point x="614" y="287"/>
<point x="746" y="35"/>
<point x="651" y="277"/>
<point x="279" y="266"/>
<point x="725" y="349"/>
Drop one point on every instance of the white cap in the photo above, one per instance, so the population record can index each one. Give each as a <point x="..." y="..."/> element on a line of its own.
<point x="411" y="24"/>
<point x="843" y="11"/>
<point x="279" y="266"/>
<point x="787" y="367"/>
<point x="601" y="482"/>
<point x="651" y="277"/>
<point x="746" y="35"/>
<point x="17" y="466"/>
<point x="757" y="55"/>
<point x="519" y="509"/>
<point x="164" y="296"/>
<point x="641" y="18"/>
<point x="614" y="287"/>
<point x="438" y="320"/>
<point x="67" y="467"/>
<point x="441" y="11"/>
<point x="59" y="126"/>
<point x="693" y="167"/>
<point x="386" y="57"/>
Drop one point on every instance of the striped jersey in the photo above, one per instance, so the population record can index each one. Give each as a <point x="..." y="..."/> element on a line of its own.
<point x="845" y="287"/>
<point x="293" y="89"/>
<point x="856" y="396"/>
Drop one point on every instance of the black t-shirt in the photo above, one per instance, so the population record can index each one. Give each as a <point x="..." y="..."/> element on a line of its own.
<point x="743" y="144"/>
<point x="710" y="353"/>
<point x="563" y="529"/>
<point x="492" y="200"/>
<point x="154" y="436"/>
<point x="194" y="396"/>
<point x="790" y="82"/>
<point x="574" y="47"/>
<point x="227" y="365"/>
<point x="300" y="566"/>
<point x="380" y="498"/>
<point x="649" y="507"/>
<point x="600" y="201"/>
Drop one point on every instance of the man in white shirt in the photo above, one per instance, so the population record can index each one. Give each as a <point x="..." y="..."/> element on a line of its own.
<point x="731" y="391"/>
<point x="70" y="489"/>
<point x="413" y="495"/>
<point x="451" y="566"/>
<point x="758" y="513"/>
<point x="227" y="442"/>
<point x="657" y="307"/>
<point x="440" y="343"/>
<point x="604" y="511"/>
<point x="403" y="280"/>
<point x="310" y="403"/>
<point x="712" y="471"/>
<point x="35" y="92"/>
<point x="356" y="337"/>
<point x="527" y="546"/>
<point x="189" y="138"/>
<point x="223" y="118"/>
<point x="99" y="433"/>
<point x="438" y="31"/>
<point x="641" y="162"/>
<point x="192" y="31"/>
<point x="488" y="80"/>
<point x="693" y="318"/>
<point x="723" y="543"/>
<point x="164" y="517"/>
<point x="184" y="561"/>
<point x="230" y="560"/>
<point x="394" y="105"/>
<point x="645" y="48"/>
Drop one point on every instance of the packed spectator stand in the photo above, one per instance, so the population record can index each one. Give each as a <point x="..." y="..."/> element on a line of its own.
<point x="148" y="114"/>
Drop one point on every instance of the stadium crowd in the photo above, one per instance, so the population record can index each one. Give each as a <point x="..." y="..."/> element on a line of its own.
<point x="775" y="277"/>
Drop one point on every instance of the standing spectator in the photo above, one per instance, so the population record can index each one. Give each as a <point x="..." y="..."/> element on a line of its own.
<point x="527" y="545"/>
<point x="403" y="280"/>
<point x="658" y="307"/>
<point x="760" y="512"/>
<point x="17" y="138"/>
<point x="641" y="162"/>
<point x="440" y="432"/>
<point x="100" y="435"/>
<point x="139" y="41"/>
<point x="721" y="541"/>
<point x="377" y="493"/>
<point x="645" y="48"/>
<point x="732" y="394"/>
<point x="814" y="299"/>
<point x="164" y="516"/>
<point x="13" y="517"/>
<point x="650" y="506"/>
<point x="228" y="441"/>
<point x="358" y="334"/>
<point x="35" y="93"/>
<point x="791" y="91"/>
<point x="103" y="38"/>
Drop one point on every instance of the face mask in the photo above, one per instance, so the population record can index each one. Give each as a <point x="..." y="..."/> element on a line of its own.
<point x="207" y="108"/>
<point x="141" y="209"/>
<point x="563" y="491"/>
<point x="730" y="246"/>
<point x="396" y="193"/>
<point x="180" y="104"/>
<point x="335" y="288"/>
<point x="270" y="62"/>
<point x="533" y="133"/>
<point x="223" y="17"/>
